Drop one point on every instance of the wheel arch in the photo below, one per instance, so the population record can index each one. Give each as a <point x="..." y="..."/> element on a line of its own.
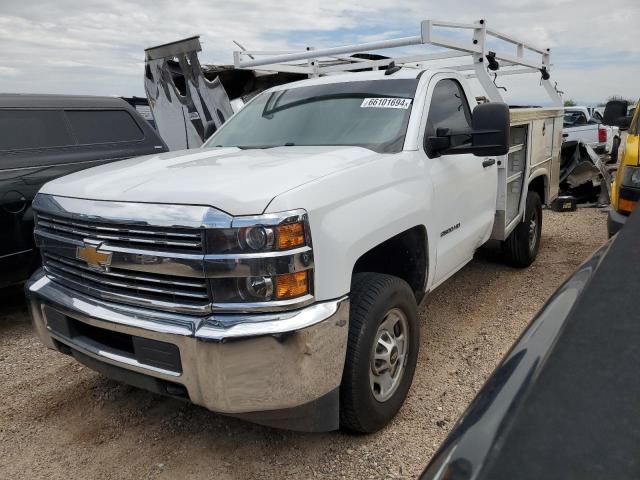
<point x="404" y="255"/>
<point x="539" y="183"/>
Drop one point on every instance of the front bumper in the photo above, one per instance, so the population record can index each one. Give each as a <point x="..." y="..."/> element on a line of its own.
<point x="233" y="364"/>
<point x="615" y="221"/>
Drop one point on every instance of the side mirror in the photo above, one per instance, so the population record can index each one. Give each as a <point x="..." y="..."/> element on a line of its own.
<point x="209" y="129"/>
<point x="490" y="126"/>
<point x="622" y="123"/>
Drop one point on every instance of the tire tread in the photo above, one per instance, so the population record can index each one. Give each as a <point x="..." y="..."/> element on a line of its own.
<point x="365" y="290"/>
<point x="516" y="246"/>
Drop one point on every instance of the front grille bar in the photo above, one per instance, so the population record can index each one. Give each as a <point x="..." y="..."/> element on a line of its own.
<point x="116" y="233"/>
<point x="153" y="291"/>
<point x="131" y="275"/>
<point x="99" y="278"/>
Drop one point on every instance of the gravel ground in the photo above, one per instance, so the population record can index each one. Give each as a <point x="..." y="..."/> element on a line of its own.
<point x="60" y="420"/>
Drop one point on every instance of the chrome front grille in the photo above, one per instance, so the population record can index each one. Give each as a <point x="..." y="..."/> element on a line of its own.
<point x="162" y="292"/>
<point x="165" y="257"/>
<point x="168" y="239"/>
<point x="136" y="254"/>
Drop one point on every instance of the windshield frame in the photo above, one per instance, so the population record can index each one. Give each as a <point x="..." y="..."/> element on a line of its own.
<point x="346" y="89"/>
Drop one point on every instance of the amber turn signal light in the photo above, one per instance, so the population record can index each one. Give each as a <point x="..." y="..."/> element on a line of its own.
<point x="290" y="236"/>
<point x="292" y="285"/>
<point x="625" y="205"/>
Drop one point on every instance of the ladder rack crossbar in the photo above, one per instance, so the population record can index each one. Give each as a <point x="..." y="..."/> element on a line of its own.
<point x="267" y="52"/>
<point x="276" y="58"/>
<point x="507" y="38"/>
<point x="502" y="73"/>
<point x="441" y="23"/>
<point x="327" y="52"/>
<point x="313" y="62"/>
<point x="407" y="61"/>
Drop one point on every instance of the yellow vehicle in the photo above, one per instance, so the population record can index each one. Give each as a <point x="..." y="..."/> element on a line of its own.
<point x="625" y="191"/>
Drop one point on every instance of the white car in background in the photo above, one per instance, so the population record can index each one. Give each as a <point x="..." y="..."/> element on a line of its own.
<point x="580" y="125"/>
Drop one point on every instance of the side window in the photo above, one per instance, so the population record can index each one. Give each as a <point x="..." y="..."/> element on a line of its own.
<point x="103" y="126"/>
<point x="24" y="129"/>
<point x="449" y="109"/>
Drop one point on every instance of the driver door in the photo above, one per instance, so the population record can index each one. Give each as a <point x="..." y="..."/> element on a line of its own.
<point x="464" y="186"/>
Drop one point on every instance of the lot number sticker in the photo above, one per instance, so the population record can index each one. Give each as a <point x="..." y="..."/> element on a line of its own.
<point x="385" y="102"/>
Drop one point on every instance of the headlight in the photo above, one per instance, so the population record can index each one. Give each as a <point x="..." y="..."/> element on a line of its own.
<point x="284" y="287"/>
<point x="629" y="193"/>
<point x="259" y="287"/>
<point x="262" y="262"/>
<point x="258" y="237"/>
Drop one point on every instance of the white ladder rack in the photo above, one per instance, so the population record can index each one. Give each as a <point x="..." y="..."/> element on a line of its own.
<point x="476" y="46"/>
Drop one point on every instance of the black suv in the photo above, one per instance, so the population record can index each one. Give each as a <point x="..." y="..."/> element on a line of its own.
<point x="43" y="137"/>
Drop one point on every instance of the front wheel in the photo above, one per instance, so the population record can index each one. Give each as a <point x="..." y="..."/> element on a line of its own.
<point x="382" y="351"/>
<point x="521" y="248"/>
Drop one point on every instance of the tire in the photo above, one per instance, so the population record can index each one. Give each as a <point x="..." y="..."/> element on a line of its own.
<point x="521" y="248"/>
<point x="614" y="150"/>
<point x="377" y="301"/>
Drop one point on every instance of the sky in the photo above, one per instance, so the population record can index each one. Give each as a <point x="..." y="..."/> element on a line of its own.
<point x="96" y="47"/>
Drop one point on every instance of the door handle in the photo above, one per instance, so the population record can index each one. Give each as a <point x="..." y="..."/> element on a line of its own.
<point x="488" y="162"/>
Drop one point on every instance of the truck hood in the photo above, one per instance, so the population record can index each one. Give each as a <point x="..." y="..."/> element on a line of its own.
<point x="240" y="182"/>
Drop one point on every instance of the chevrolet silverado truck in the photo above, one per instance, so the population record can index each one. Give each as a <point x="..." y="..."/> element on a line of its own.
<point x="274" y="274"/>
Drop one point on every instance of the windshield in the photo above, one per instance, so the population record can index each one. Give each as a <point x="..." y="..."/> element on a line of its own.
<point x="573" y="119"/>
<point x="372" y="114"/>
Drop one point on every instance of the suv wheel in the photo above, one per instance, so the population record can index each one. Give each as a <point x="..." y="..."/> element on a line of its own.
<point x="382" y="351"/>
<point x="521" y="248"/>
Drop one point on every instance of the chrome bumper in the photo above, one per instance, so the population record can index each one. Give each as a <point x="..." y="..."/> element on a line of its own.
<point x="232" y="364"/>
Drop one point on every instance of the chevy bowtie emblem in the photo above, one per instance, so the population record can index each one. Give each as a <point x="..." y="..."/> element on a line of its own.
<point x="94" y="257"/>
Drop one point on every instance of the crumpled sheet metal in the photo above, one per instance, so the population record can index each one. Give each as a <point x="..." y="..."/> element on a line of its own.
<point x="185" y="96"/>
<point x="182" y="114"/>
<point x="583" y="173"/>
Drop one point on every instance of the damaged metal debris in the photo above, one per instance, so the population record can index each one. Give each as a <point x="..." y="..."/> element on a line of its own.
<point x="191" y="101"/>
<point x="179" y="95"/>
<point x="586" y="176"/>
<point x="583" y="174"/>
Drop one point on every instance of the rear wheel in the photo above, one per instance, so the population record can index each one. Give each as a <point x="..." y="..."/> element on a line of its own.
<point x="521" y="248"/>
<point x="382" y="351"/>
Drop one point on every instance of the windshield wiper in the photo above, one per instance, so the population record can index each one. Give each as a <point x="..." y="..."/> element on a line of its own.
<point x="264" y="147"/>
<point x="253" y="147"/>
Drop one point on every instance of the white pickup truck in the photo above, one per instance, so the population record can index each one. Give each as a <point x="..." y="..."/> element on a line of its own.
<point x="275" y="273"/>
<point x="580" y="125"/>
